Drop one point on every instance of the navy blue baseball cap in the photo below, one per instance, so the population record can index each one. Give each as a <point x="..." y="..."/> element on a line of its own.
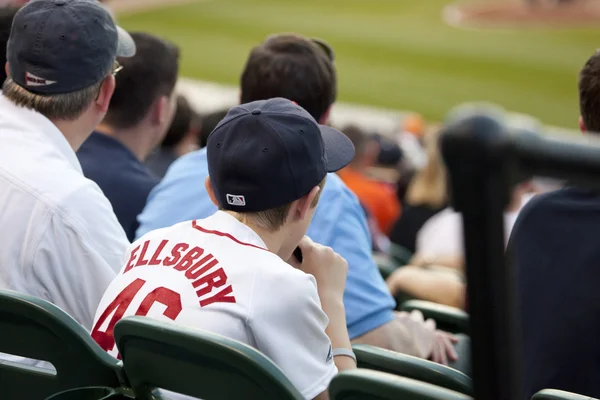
<point x="269" y="153"/>
<point x="61" y="46"/>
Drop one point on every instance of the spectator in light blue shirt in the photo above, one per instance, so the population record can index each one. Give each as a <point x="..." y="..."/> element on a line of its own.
<point x="302" y="70"/>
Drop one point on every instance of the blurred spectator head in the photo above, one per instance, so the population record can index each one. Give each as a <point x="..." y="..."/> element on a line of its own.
<point x="70" y="78"/>
<point x="589" y="94"/>
<point x="390" y="154"/>
<point x="184" y="130"/>
<point x="365" y="146"/>
<point x="145" y="99"/>
<point x="7" y="13"/>
<point x="430" y="186"/>
<point x="294" y="67"/>
<point x="209" y="123"/>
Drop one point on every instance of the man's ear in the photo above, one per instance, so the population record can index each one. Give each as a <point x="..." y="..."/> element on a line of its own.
<point x="210" y="191"/>
<point x="160" y="110"/>
<point x="304" y="204"/>
<point x="106" y="91"/>
<point x="582" y="126"/>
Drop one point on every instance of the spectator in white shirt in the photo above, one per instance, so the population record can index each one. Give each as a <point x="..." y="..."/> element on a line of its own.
<point x="60" y="238"/>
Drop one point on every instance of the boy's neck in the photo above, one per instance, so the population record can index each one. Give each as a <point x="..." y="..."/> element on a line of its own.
<point x="273" y="240"/>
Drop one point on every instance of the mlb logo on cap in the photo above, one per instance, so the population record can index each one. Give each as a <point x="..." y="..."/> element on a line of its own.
<point x="269" y="153"/>
<point x="236" y="200"/>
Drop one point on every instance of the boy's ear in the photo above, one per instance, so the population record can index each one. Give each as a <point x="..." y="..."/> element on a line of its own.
<point x="210" y="191"/>
<point x="305" y="203"/>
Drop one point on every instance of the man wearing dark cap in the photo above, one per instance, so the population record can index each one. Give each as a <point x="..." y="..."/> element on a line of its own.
<point x="233" y="273"/>
<point x="60" y="238"/>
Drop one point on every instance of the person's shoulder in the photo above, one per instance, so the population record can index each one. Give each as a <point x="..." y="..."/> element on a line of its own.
<point x="337" y="192"/>
<point x="542" y="204"/>
<point x="190" y="164"/>
<point x="191" y="167"/>
<point x="442" y="219"/>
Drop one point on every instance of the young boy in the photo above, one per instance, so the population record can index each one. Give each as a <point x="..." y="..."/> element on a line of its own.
<point x="235" y="273"/>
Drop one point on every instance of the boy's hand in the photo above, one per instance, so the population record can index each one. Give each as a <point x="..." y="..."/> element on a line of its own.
<point x="328" y="267"/>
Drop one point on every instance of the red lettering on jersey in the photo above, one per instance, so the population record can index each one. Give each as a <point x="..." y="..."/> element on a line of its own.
<point x="131" y="259"/>
<point x="163" y="295"/>
<point x="154" y="260"/>
<point x="189" y="258"/>
<point x="221" y="297"/>
<point x="119" y="305"/>
<point x="171" y="299"/>
<point x="215" y="279"/>
<point x="141" y="261"/>
<point x="201" y="267"/>
<point x="175" y="254"/>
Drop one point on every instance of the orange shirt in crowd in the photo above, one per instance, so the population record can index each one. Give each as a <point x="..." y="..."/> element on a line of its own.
<point x="377" y="197"/>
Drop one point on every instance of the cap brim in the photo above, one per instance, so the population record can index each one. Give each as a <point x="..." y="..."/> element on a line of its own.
<point x="126" y="45"/>
<point x="339" y="150"/>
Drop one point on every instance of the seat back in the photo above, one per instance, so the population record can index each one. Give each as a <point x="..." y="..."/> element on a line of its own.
<point x="91" y="393"/>
<point x="552" y="394"/>
<point x="463" y="349"/>
<point x="360" y="384"/>
<point x="196" y="363"/>
<point x="34" y="328"/>
<point x="378" y="359"/>
<point x="399" y="254"/>
<point x="449" y="319"/>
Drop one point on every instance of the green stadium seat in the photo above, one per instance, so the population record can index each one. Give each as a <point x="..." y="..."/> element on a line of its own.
<point x="463" y="349"/>
<point x="34" y="328"/>
<point x="376" y="358"/>
<point x="361" y="384"/>
<point x="399" y="254"/>
<point x="551" y="394"/>
<point x="92" y="393"/>
<point x="196" y="363"/>
<point x="449" y="319"/>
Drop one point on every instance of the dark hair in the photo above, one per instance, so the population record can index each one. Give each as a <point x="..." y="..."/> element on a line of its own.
<point x="292" y="67"/>
<point x="209" y="123"/>
<point x="7" y="14"/>
<point x="151" y="73"/>
<point x="182" y="121"/>
<point x="589" y="93"/>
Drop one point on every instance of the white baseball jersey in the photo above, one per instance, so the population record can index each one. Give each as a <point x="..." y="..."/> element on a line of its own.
<point x="215" y="274"/>
<point x="61" y="240"/>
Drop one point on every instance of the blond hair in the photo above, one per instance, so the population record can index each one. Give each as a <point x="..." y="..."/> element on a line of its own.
<point x="430" y="187"/>
<point x="273" y="219"/>
<point x="63" y="106"/>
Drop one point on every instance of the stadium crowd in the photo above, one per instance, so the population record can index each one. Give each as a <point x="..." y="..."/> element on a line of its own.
<point x="107" y="176"/>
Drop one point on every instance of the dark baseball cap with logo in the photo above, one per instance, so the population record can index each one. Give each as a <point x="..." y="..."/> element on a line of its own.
<point x="61" y="46"/>
<point x="269" y="153"/>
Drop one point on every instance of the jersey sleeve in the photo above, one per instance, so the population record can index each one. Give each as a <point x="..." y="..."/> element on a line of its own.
<point x="288" y="325"/>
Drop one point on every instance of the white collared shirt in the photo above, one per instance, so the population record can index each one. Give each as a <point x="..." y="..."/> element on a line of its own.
<point x="60" y="239"/>
<point x="216" y="274"/>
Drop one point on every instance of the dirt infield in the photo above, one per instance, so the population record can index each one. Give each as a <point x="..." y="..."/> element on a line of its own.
<point x="581" y="13"/>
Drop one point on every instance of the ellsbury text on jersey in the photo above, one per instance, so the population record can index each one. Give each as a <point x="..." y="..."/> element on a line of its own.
<point x="200" y="267"/>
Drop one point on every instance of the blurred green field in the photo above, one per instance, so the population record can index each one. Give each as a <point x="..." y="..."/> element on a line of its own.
<point x="391" y="53"/>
